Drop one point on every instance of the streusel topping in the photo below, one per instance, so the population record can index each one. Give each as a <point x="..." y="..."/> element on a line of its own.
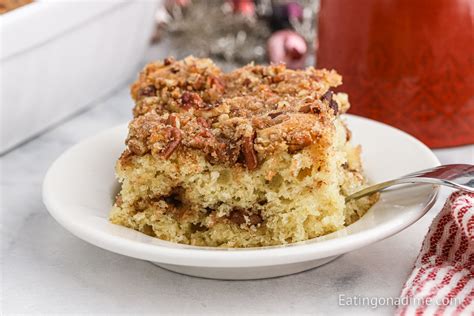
<point x="233" y="118"/>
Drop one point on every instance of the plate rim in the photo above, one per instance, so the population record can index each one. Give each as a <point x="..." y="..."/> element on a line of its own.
<point x="185" y="255"/>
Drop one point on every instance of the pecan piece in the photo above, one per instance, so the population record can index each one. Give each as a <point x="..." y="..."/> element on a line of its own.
<point x="174" y="69"/>
<point x="277" y="78"/>
<point x="173" y="120"/>
<point x="327" y="97"/>
<point x="216" y="82"/>
<point x="148" y="91"/>
<point x="203" y="122"/>
<point x="191" y="99"/>
<point x="249" y="152"/>
<point x="168" y="61"/>
<point x="305" y="108"/>
<point x="174" y="135"/>
<point x="309" y="108"/>
<point x="333" y="105"/>
<point x="274" y="114"/>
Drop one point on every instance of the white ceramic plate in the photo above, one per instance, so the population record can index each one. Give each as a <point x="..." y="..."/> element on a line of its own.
<point x="80" y="186"/>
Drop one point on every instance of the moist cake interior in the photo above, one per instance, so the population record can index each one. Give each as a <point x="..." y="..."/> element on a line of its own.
<point x="256" y="157"/>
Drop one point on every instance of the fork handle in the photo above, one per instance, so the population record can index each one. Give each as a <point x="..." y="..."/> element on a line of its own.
<point x="383" y="185"/>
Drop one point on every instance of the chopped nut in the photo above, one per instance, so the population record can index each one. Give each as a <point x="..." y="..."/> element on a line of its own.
<point x="305" y="108"/>
<point x="333" y="105"/>
<point x="203" y="122"/>
<point x="173" y="120"/>
<point x="191" y="99"/>
<point x="174" y="135"/>
<point x="274" y="114"/>
<point x="327" y="97"/>
<point x="216" y="82"/>
<point x="249" y="152"/>
<point x="148" y="91"/>
<point x="309" y="108"/>
<point x="168" y="61"/>
<point x="277" y="78"/>
<point x="174" y="70"/>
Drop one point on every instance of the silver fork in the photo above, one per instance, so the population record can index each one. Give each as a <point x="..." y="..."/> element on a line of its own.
<point x="457" y="176"/>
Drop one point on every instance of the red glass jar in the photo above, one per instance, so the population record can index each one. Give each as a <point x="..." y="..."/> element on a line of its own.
<point x="408" y="63"/>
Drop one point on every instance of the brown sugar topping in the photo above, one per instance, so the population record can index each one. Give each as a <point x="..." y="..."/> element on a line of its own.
<point x="232" y="118"/>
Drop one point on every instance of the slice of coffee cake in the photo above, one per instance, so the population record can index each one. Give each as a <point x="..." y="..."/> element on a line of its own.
<point x="255" y="157"/>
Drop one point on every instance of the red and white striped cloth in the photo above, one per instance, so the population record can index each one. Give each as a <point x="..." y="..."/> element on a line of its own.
<point x="442" y="282"/>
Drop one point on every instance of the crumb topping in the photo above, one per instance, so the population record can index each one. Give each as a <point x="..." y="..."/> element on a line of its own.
<point x="239" y="117"/>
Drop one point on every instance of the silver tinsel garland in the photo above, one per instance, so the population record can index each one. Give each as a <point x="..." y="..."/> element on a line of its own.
<point x="211" y="28"/>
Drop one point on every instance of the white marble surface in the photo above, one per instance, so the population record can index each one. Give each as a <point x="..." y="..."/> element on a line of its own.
<point x="47" y="270"/>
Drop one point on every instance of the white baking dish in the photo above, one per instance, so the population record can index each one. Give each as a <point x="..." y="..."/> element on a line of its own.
<point x="57" y="57"/>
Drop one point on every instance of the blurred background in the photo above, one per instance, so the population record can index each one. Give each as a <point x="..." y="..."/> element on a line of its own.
<point x="405" y="63"/>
